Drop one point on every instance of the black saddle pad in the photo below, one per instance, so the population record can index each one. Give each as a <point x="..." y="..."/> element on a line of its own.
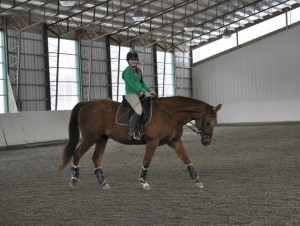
<point x="123" y="114"/>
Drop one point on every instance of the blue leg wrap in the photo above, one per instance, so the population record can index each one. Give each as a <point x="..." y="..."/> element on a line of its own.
<point x="192" y="172"/>
<point x="100" y="177"/>
<point x="143" y="175"/>
<point x="75" y="173"/>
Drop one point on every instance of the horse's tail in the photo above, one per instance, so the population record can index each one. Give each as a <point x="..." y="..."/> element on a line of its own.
<point x="74" y="134"/>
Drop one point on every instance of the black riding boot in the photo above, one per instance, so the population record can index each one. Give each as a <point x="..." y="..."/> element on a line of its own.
<point x="134" y="120"/>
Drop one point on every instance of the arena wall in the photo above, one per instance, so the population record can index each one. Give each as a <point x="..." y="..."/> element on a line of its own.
<point x="33" y="128"/>
<point x="257" y="83"/>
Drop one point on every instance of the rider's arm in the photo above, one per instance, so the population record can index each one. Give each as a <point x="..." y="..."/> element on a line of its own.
<point x="133" y="84"/>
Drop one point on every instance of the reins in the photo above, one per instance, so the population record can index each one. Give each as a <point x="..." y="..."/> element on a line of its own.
<point x="199" y="132"/>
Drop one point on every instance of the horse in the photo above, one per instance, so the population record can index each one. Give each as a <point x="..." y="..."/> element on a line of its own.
<point x="95" y="120"/>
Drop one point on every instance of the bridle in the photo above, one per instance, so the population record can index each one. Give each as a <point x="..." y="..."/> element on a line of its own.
<point x="202" y="128"/>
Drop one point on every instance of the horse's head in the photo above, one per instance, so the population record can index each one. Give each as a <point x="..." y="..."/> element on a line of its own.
<point x="206" y="125"/>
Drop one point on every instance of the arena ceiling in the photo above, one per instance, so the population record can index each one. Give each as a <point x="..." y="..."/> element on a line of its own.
<point x="163" y="24"/>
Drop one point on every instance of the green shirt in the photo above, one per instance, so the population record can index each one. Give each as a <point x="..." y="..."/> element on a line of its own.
<point x="134" y="82"/>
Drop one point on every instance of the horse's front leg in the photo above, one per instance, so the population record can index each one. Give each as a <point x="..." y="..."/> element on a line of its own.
<point x="150" y="149"/>
<point x="97" y="157"/>
<point x="181" y="153"/>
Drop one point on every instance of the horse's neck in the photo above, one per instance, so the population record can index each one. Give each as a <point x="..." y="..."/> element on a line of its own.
<point x="184" y="109"/>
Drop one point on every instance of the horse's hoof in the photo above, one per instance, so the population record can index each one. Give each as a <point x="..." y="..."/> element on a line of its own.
<point x="199" y="185"/>
<point x="106" y="186"/>
<point x="146" y="186"/>
<point x="73" y="183"/>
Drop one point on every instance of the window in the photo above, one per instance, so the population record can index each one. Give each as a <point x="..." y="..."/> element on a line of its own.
<point x="64" y="81"/>
<point x="261" y="29"/>
<point x="165" y="74"/>
<point x="294" y="16"/>
<point x="214" y="48"/>
<point x="117" y="67"/>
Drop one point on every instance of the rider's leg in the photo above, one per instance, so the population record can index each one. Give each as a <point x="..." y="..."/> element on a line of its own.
<point x="134" y="101"/>
<point x="134" y="120"/>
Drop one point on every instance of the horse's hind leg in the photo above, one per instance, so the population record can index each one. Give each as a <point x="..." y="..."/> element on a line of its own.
<point x="97" y="157"/>
<point x="78" y="153"/>
<point x="181" y="153"/>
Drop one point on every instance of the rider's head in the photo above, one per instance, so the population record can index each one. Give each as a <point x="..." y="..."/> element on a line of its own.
<point x="132" y="58"/>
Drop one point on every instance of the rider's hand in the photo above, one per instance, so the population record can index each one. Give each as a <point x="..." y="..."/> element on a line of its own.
<point x="148" y="94"/>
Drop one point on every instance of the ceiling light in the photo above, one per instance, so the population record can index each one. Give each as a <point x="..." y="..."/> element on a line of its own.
<point x="139" y="15"/>
<point x="189" y="25"/>
<point x="67" y="3"/>
<point x="226" y="34"/>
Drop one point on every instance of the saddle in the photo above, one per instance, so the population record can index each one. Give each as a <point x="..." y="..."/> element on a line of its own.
<point x="125" y="111"/>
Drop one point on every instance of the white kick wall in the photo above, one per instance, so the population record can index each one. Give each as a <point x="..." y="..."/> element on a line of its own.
<point x="33" y="128"/>
<point x="256" y="83"/>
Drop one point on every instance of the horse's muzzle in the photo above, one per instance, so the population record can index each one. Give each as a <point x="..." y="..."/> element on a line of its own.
<point x="206" y="140"/>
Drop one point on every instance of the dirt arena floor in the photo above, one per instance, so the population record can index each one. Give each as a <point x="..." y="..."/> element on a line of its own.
<point x="251" y="176"/>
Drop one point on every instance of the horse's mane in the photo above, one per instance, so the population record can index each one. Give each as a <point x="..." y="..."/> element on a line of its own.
<point x="182" y="100"/>
<point x="174" y="101"/>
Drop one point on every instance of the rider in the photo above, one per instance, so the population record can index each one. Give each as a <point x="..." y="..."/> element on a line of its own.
<point x="134" y="88"/>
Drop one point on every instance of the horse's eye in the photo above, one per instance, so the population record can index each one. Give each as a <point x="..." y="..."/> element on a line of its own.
<point x="207" y="123"/>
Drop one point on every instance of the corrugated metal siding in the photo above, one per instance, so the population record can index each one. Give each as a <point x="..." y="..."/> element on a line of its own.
<point x="257" y="83"/>
<point x="183" y="74"/>
<point x="147" y="65"/>
<point x="32" y="96"/>
<point x="94" y="70"/>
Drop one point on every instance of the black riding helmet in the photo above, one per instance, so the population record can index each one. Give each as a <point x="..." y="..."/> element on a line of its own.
<point x="132" y="55"/>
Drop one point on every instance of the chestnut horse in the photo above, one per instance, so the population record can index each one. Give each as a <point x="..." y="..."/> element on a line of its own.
<point x="96" y="122"/>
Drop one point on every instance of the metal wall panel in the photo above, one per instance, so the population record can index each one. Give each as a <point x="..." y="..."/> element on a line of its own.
<point x="256" y="83"/>
<point x="94" y="73"/>
<point x="29" y="84"/>
<point x="183" y="74"/>
<point x="147" y="65"/>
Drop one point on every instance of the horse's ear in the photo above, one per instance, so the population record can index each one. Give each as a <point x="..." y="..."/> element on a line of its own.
<point x="218" y="107"/>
